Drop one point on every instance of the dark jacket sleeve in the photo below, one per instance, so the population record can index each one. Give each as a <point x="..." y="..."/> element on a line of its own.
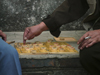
<point x="68" y="11"/>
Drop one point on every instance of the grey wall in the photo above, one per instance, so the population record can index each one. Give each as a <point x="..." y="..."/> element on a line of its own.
<point x="16" y="15"/>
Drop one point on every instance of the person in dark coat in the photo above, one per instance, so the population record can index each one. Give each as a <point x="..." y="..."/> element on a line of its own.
<point x="68" y="11"/>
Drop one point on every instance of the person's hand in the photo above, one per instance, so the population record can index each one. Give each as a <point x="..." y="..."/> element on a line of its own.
<point x="94" y="38"/>
<point x="33" y="31"/>
<point x="3" y="35"/>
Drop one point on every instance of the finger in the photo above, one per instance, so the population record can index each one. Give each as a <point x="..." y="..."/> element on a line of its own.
<point x="4" y="37"/>
<point x="25" y="34"/>
<point x="82" y="38"/>
<point x="24" y="41"/>
<point x="29" y="35"/>
<point x="92" y="43"/>
<point x="82" y="44"/>
<point x="86" y="43"/>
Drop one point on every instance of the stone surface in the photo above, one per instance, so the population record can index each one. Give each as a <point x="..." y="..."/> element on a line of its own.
<point x="35" y="63"/>
<point x="51" y="62"/>
<point x="55" y="66"/>
<point x="16" y="15"/>
<point x="67" y="64"/>
<point x="18" y="37"/>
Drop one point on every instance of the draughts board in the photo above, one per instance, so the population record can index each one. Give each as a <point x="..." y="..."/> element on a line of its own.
<point x="48" y="47"/>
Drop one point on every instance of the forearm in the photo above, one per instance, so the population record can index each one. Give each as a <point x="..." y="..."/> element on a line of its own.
<point x="43" y="26"/>
<point x="67" y="12"/>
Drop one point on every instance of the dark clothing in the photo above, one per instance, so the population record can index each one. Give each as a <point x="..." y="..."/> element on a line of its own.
<point x="71" y="10"/>
<point x="68" y="11"/>
<point x="90" y="59"/>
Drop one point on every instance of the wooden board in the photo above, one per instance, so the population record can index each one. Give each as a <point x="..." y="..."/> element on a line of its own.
<point x="65" y="39"/>
<point x="48" y="53"/>
<point x="29" y="48"/>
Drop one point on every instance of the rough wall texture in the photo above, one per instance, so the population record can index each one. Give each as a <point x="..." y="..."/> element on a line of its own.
<point x="70" y="66"/>
<point x="16" y="15"/>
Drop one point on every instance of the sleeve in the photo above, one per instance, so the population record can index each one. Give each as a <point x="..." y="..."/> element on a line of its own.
<point x="96" y="24"/>
<point x="68" y="11"/>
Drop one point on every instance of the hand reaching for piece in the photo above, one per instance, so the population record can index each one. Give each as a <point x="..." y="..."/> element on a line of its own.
<point x="3" y="35"/>
<point x="94" y="38"/>
<point x="33" y="31"/>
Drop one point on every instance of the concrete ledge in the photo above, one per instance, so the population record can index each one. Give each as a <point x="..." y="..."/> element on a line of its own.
<point x="46" y="56"/>
<point x="69" y="66"/>
<point x="50" y="64"/>
<point x="18" y="37"/>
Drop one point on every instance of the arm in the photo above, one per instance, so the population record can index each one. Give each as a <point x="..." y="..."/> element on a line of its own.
<point x="68" y="11"/>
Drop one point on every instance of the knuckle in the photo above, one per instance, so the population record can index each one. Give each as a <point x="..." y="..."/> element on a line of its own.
<point x="32" y="31"/>
<point x="27" y="38"/>
<point x="90" y="40"/>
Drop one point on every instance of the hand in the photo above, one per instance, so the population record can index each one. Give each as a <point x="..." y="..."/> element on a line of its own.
<point x="3" y="35"/>
<point x="95" y="38"/>
<point x="33" y="31"/>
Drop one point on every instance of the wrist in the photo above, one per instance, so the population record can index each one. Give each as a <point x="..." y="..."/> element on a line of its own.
<point x="43" y="26"/>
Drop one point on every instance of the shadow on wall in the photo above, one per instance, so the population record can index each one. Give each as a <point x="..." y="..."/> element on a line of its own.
<point x="16" y="15"/>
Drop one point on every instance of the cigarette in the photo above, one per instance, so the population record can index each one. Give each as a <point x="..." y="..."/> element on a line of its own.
<point x="87" y="37"/>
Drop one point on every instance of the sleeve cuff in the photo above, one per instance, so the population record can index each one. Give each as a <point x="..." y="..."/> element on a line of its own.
<point x="56" y="33"/>
<point x="51" y="24"/>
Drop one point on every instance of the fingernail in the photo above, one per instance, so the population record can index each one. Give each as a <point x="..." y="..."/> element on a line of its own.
<point x="25" y="38"/>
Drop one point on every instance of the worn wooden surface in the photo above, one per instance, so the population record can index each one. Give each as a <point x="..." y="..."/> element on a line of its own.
<point x="65" y="39"/>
